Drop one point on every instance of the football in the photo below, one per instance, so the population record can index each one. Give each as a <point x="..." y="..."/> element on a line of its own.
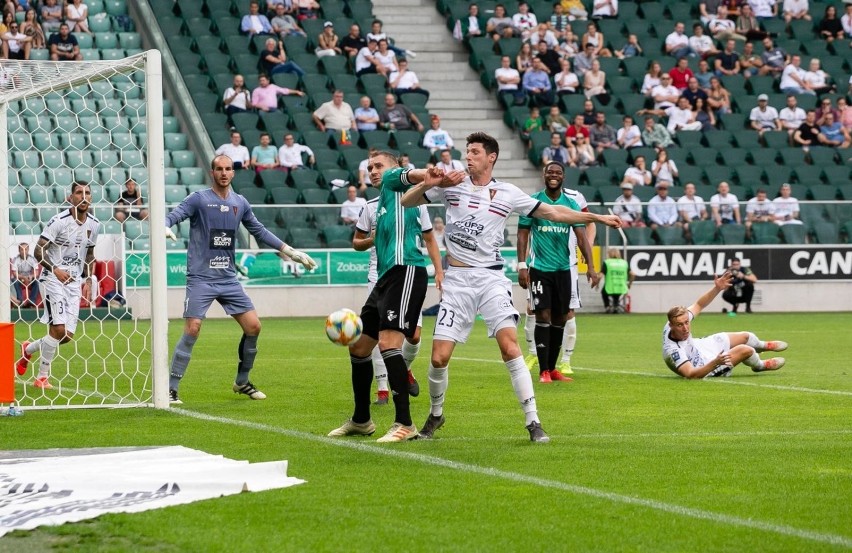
<point x="343" y="327"/>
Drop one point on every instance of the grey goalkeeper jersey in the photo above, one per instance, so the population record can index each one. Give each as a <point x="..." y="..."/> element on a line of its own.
<point x="212" y="236"/>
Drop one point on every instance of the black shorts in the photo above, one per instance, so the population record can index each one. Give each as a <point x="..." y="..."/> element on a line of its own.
<point x="551" y="290"/>
<point x="396" y="301"/>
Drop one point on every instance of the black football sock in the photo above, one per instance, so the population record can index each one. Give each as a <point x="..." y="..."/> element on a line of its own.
<point x="542" y="346"/>
<point x="398" y="380"/>
<point x="362" y="382"/>
<point x="555" y="345"/>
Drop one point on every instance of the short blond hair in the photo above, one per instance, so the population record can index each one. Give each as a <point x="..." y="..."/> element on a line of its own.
<point x="676" y="312"/>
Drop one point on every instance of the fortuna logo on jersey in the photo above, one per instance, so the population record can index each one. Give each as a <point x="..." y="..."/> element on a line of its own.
<point x="391" y="315"/>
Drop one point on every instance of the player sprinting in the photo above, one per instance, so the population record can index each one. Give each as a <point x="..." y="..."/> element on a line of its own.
<point x="477" y="212"/>
<point x="569" y="337"/>
<point x="549" y="278"/>
<point x="391" y="311"/>
<point x="215" y="215"/>
<point x="364" y="239"/>
<point x="717" y="354"/>
<point x="66" y="252"/>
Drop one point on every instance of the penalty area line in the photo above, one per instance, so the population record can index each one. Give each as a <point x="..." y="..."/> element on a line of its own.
<point x="719" y="518"/>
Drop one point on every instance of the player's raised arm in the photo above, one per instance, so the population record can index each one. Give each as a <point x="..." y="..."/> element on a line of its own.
<point x="720" y="283"/>
<point x="562" y="214"/>
<point x="425" y="179"/>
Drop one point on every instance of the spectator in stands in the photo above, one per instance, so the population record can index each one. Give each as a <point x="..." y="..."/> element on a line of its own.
<point x="728" y="61"/>
<point x="16" y="45"/>
<point x="367" y="62"/>
<point x="500" y="25"/>
<point x="508" y="81"/>
<point x="273" y="59"/>
<point x="832" y="133"/>
<point x="575" y="9"/>
<point x="759" y="209"/>
<point x="438" y="229"/>
<point x="665" y="95"/>
<point x="555" y="121"/>
<point x="404" y="81"/>
<point x="575" y="130"/>
<point x="405" y="162"/>
<point x="638" y="174"/>
<point x="596" y="38"/>
<point x="795" y="9"/>
<point x="663" y="168"/>
<point x="290" y="154"/>
<point x="786" y="207"/>
<point x="718" y="97"/>
<point x="700" y="43"/>
<point x="549" y="58"/>
<point x="237" y="97"/>
<point x="77" y="16"/>
<point x="747" y="24"/>
<point x="583" y="60"/>
<point x="793" y="78"/>
<point x="630" y="49"/>
<point x="693" y="92"/>
<point x="845" y="111"/>
<point x="703" y="115"/>
<point x="807" y="134"/>
<point x="524" y="59"/>
<point x="524" y="21"/>
<point x="328" y="43"/>
<point x="235" y="150"/>
<point x="652" y="78"/>
<point x="691" y="208"/>
<point x="725" y="206"/>
<point x="830" y="27"/>
<point x="764" y="9"/>
<point x="846" y="20"/>
<point x="824" y="108"/>
<point x="677" y="43"/>
<point x="366" y="116"/>
<point x="628" y="207"/>
<point x="306" y="9"/>
<point x="764" y="117"/>
<point x="629" y="135"/>
<point x="655" y="135"/>
<point x="353" y="42"/>
<point x="64" y="46"/>
<point x="255" y="23"/>
<point x="704" y="75"/>
<point x="602" y="136"/>
<point x="398" y="117"/>
<point x="545" y="35"/>
<point x="130" y="202"/>
<point x="376" y="33"/>
<point x="335" y="115"/>
<point x="272" y="7"/>
<point x="265" y="155"/>
<point x="585" y="153"/>
<point x="437" y="138"/>
<point x="31" y="27"/>
<point x="791" y="116"/>
<point x="560" y="21"/>
<point x="363" y="176"/>
<point x="605" y="9"/>
<point x="722" y="28"/>
<point x="25" y="271"/>
<point x="51" y="16"/>
<point x="662" y="209"/>
<point x="386" y="57"/>
<point x="265" y="96"/>
<point x="351" y="208"/>
<point x="742" y="286"/>
<point x="594" y="83"/>
<point x="816" y="79"/>
<point x="750" y="63"/>
<point x="569" y="47"/>
<point x="566" y="81"/>
<point x="447" y="164"/>
<point x="284" y="24"/>
<point x="708" y="10"/>
<point x="774" y="59"/>
<point x="470" y="26"/>
<point x="588" y="113"/>
<point x="557" y="152"/>
<point x="680" y="74"/>
<point x="532" y="123"/>
<point x="537" y="85"/>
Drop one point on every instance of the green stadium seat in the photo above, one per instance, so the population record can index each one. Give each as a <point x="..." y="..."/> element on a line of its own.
<point x="191" y="176"/>
<point x="794" y="234"/>
<point x="822" y="156"/>
<point x="764" y="157"/>
<point x="777" y="139"/>
<point x="825" y="232"/>
<point x="315" y="195"/>
<point x="822" y="193"/>
<point x="638" y="236"/>
<point x="134" y="158"/>
<point x="24" y="228"/>
<point x="284" y="195"/>
<point x="338" y="236"/>
<point x="305" y="179"/>
<point x="304" y="238"/>
<point x="371" y="193"/>
<point x="255" y="195"/>
<point x="600" y="176"/>
<point x="765" y="233"/>
<point x="183" y="158"/>
<point x="732" y="234"/>
<point x="106" y="40"/>
<point x="718" y="173"/>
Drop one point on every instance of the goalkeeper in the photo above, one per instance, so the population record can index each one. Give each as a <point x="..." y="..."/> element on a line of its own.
<point x="215" y="215"/>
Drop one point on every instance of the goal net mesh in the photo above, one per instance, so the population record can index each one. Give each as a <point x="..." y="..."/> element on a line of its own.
<point x="81" y="121"/>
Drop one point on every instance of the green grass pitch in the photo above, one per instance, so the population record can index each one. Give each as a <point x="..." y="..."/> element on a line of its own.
<point x="640" y="460"/>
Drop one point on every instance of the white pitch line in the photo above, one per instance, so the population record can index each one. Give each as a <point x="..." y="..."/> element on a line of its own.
<point x="732" y="381"/>
<point x="719" y="518"/>
<point x="645" y="435"/>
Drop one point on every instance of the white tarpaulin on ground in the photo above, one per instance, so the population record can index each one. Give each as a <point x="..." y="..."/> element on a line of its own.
<point x="55" y="487"/>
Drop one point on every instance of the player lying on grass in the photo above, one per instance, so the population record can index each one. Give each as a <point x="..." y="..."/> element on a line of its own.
<point x="717" y="354"/>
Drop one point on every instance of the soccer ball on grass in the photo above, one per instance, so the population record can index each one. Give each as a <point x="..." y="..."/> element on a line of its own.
<point x="343" y="327"/>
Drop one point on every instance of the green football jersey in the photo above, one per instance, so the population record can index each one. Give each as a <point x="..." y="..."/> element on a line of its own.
<point x="397" y="227"/>
<point x="550" y="242"/>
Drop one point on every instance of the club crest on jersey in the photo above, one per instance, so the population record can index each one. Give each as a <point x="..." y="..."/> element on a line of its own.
<point x="492" y="193"/>
<point x="235" y="210"/>
<point x="223" y="208"/>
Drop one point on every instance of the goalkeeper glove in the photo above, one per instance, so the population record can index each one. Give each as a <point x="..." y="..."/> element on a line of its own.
<point x="170" y="235"/>
<point x="297" y="256"/>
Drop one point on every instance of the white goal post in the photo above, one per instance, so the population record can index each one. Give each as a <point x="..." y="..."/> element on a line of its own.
<point x="100" y="122"/>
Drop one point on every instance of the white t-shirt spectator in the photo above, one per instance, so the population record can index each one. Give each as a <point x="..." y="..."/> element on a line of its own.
<point x="692" y="208"/>
<point x="549" y="39"/>
<point x="524" y="22"/>
<point x="508" y="72"/>
<point x="409" y="79"/>
<point x="846" y="21"/>
<point x="566" y="81"/>
<point x="726" y="205"/>
<point x="648" y="84"/>
<point x="762" y="8"/>
<point x="636" y="176"/>
<point x="242" y="101"/>
<point x="666" y="172"/>
<point x="675" y="41"/>
<point x="236" y="153"/>
<point x="678" y="119"/>
<point x="787" y="80"/>
<point x="766" y="117"/>
<point x="292" y="156"/>
<point x="454" y="165"/>
<point x="760" y="209"/>
<point x="817" y="79"/>
<point x="630" y="137"/>
<point x="628" y="210"/>
<point x="792" y="119"/>
<point x="701" y="43"/>
<point x="661" y="90"/>
<point x="662" y="211"/>
<point x="387" y="59"/>
<point x="351" y="209"/>
<point x="601" y="8"/>
<point x="785" y="210"/>
<point x="362" y="58"/>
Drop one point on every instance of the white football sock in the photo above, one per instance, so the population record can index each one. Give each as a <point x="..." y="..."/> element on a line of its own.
<point x="379" y="370"/>
<point x="529" y="333"/>
<point x="754" y="361"/>
<point x="569" y="339"/>
<point x="33" y="347"/>
<point x="49" y="345"/>
<point x="439" y="379"/>
<point x="523" y="385"/>
<point x="409" y="352"/>
<point x="754" y="342"/>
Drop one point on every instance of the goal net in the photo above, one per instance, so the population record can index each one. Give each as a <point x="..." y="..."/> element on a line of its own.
<point x="99" y="122"/>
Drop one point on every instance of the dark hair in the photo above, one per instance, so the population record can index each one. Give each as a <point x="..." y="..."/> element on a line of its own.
<point x="737" y="259"/>
<point x="266" y="134"/>
<point x="488" y="142"/>
<point x="379" y="21"/>
<point x="79" y="183"/>
<point x="759" y="190"/>
<point x="556" y="163"/>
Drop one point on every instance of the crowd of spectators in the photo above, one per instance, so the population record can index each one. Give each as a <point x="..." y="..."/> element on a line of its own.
<point x="28" y="26"/>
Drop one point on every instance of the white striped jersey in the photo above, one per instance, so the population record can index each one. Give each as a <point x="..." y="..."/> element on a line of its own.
<point x="367" y="224"/>
<point x="69" y="243"/>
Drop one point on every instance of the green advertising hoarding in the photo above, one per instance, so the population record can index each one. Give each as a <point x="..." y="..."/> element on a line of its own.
<point x="334" y="267"/>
